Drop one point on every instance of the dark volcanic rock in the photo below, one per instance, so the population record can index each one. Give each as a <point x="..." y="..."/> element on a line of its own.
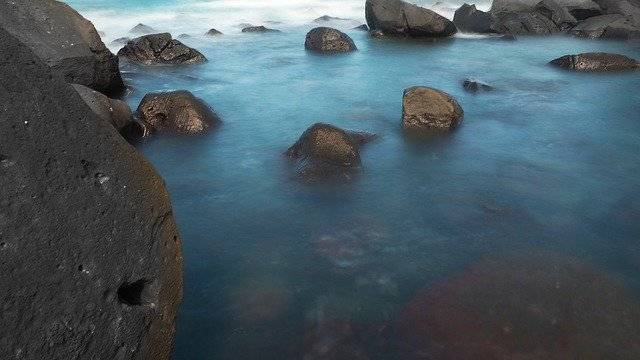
<point x="396" y="17"/>
<point x="560" y="15"/>
<point x="426" y="108"/>
<point x="533" y="306"/>
<point x="325" y="152"/>
<point x="622" y="29"/>
<point x="362" y="27"/>
<point x="177" y="111"/>
<point x="259" y="29"/>
<point x="584" y="10"/>
<point x="469" y="19"/>
<point x="114" y="112"/>
<point x="213" y="32"/>
<point x="524" y="23"/>
<point x="65" y="41"/>
<point x="142" y="29"/>
<point x="475" y="86"/>
<point x="328" y="40"/>
<point x="594" y="27"/>
<point x="89" y="252"/>
<point x="159" y="49"/>
<point x="596" y="62"/>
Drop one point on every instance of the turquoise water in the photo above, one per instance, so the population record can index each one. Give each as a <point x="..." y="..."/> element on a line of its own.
<point x="546" y="163"/>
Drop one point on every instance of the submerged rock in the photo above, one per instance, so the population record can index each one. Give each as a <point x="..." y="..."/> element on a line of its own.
<point x="212" y="32"/>
<point x="112" y="111"/>
<point x="475" y="86"/>
<point x="426" y="108"/>
<point x="259" y="29"/>
<point x="469" y="19"/>
<point x="326" y="152"/>
<point x="596" y="62"/>
<point x="328" y="40"/>
<point x="397" y="17"/>
<point x="536" y="307"/>
<point x="68" y="43"/>
<point x="142" y="29"/>
<point x="362" y="27"/>
<point x="90" y="255"/>
<point x="160" y="49"/>
<point x="178" y="112"/>
<point x="326" y="18"/>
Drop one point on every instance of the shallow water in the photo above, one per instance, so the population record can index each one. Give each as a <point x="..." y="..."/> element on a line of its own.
<point x="275" y="269"/>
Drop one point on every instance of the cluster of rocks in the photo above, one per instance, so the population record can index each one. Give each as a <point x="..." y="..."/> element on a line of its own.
<point x="610" y="19"/>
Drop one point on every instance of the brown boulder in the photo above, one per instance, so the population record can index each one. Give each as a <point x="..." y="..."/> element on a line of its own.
<point x="176" y="111"/>
<point x="596" y="62"/>
<point x="426" y="108"/>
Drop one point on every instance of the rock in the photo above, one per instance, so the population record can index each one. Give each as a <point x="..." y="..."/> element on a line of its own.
<point x="90" y="255"/>
<point x="594" y="27"/>
<point x="377" y="34"/>
<point x="560" y="15"/>
<point x="326" y="152"/>
<point x="396" y="17"/>
<point x="623" y="29"/>
<point x="362" y="27"/>
<point x="328" y="40"/>
<point x="177" y="111"/>
<point x="524" y="23"/>
<point x="259" y="29"/>
<point x="112" y="111"/>
<point x="160" y="49"/>
<point x="507" y="37"/>
<point x="213" y="32"/>
<point x="121" y="41"/>
<point x="326" y="18"/>
<point x="475" y="86"/>
<point x="629" y="8"/>
<point x="185" y="36"/>
<point x="65" y="41"/>
<point x="426" y="108"/>
<point x="534" y="306"/>
<point x="585" y="10"/>
<point x="469" y="19"/>
<point x="142" y="29"/>
<point x="511" y="6"/>
<point x="596" y="62"/>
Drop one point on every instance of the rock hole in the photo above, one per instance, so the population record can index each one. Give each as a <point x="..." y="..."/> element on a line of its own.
<point x="134" y="293"/>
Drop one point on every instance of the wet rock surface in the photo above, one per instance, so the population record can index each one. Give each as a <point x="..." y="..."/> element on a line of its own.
<point x="397" y="17"/>
<point x="328" y="40"/>
<point x="113" y="111"/>
<point x="160" y="49"/>
<point x="68" y="43"/>
<point x="475" y="86"/>
<point x="178" y="112"/>
<point x="425" y="109"/>
<point x="596" y="62"/>
<point x="469" y="19"/>
<point x="90" y="253"/>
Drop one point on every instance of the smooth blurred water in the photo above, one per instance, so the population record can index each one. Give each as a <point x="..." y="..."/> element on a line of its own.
<point x="547" y="162"/>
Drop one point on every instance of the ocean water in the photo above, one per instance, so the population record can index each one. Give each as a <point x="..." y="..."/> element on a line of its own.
<point x="275" y="269"/>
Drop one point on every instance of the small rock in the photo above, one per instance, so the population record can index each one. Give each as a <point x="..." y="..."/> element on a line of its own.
<point x="259" y="29"/>
<point x="142" y="29"/>
<point x="160" y="49"/>
<point x="326" y="18"/>
<point x="176" y="111"/>
<point x="475" y="86"/>
<point x="362" y="27"/>
<point x="426" y="108"/>
<point x="596" y="62"/>
<point x="212" y="32"/>
<point x="328" y="40"/>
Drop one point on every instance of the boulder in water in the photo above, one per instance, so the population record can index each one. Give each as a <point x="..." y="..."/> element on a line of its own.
<point x="475" y="86"/>
<point x="178" y="112"/>
<point x="65" y="41"/>
<point x="212" y="32"/>
<point x="142" y="29"/>
<point x="259" y="29"/>
<point x="325" y="18"/>
<point x="469" y="19"/>
<point x="160" y="49"/>
<point x="328" y="40"/>
<point x="425" y="109"/>
<point x="397" y="17"/>
<point x="597" y="62"/>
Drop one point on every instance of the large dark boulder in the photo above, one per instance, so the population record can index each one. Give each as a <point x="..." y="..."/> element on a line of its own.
<point x="427" y="109"/>
<point x="524" y="23"/>
<point x="594" y="27"/>
<point x="325" y="152"/>
<point x="89" y="252"/>
<point x="178" y="112"/>
<point x="397" y="17"/>
<point x="113" y="111"/>
<point x="65" y="41"/>
<point x="469" y="19"/>
<point x="557" y="13"/>
<point x="328" y="40"/>
<point x="596" y="62"/>
<point x="160" y="49"/>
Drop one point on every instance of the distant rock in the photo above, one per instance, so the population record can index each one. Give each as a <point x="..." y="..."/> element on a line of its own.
<point x="259" y="29"/>
<point x="560" y="15"/>
<point x="212" y="32"/>
<point x="120" y="41"/>
<point x="112" y="111"/>
<point x="326" y="18"/>
<point x="596" y="62"/>
<point x="178" y="112"/>
<point x="328" y="40"/>
<point x="475" y="86"/>
<point x="65" y="41"/>
<point x="362" y="27"/>
<point x="160" y="49"/>
<point x="469" y="19"/>
<point x="326" y="152"/>
<point x="426" y="109"/>
<point x="397" y="17"/>
<point x="142" y="29"/>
